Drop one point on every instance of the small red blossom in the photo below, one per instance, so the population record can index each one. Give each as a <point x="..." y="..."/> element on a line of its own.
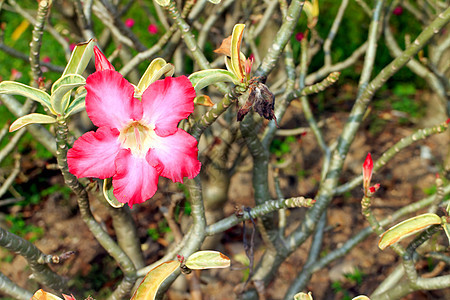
<point x="15" y="74"/>
<point x="299" y="36"/>
<point x="129" y="23"/>
<point x="152" y="28"/>
<point x="367" y="170"/>
<point x="72" y="46"/>
<point x="398" y="10"/>
<point x="136" y="141"/>
<point x="447" y="121"/>
<point x="46" y="59"/>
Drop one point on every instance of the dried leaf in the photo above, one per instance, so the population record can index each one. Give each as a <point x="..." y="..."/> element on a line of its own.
<point x="203" y="100"/>
<point x="225" y="47"/>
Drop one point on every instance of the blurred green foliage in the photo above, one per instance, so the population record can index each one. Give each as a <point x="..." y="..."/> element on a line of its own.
<point x="156" y="232"/>
<point x="18" y="226"/>
<point x="279" y="147"/>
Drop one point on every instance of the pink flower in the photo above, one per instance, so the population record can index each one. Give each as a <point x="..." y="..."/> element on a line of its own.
<point x="299" y="36"/>
<point x="46" y="59"/>
<point x="153" y="29"/>
<point x="398" y="10"/>
<point x="72" y="46"/>
<point x="137" y="141"/>
<point x="129" y="23"/>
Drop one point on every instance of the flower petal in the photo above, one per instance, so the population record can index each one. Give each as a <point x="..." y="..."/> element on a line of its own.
<point x="101" y="62"/>
<point x="135" y="180"/>
<point x="176" y="156"/>
<point x="110" y="101"/>
<point x="166" y="102"/>
<point x="93" y="154"/>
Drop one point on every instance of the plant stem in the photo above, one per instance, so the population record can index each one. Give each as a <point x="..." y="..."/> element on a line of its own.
<point x="10" y="288"/>
<point x="418" y="135"/>
<point x="83" y="203"/>
<point x="281" y="39"/>
<point x="35" y="259"/>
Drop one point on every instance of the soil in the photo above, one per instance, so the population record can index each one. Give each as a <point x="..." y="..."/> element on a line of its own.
<point x="403" y="181"/>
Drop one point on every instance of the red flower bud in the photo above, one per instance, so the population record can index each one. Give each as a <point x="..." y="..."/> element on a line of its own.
<point x="367" y="170"/>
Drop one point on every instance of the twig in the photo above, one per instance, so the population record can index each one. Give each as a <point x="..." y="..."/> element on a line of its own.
<point x="324" y="71"/>
<point x="35" y="259"/>
<point x="258" y="211"/>
<point x="313" y="254"/>
<point x="392" y="151"/>
<point x="38" y="131"/>
<point x="363" y="234"/>
<point x="36" y="40"/>
<point x="122" y="30"/>
<point x="12" y="176"/>
<point x="12" y="144"/>
<point x="281" y="39"/>
<point x="60" y="39"/>
<point x="14" y="53"/>
<point x="369" y="59"/>
<point x="102" y="237"/>
<point x="365" y="7"/>
<point x="10" y="288"/>
<point x="333" y="32"/>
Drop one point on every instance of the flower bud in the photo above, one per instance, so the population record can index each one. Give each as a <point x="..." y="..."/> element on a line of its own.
<point x="367" y="171"/>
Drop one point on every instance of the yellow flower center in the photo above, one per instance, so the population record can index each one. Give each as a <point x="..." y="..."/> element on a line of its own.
<point x="137" y="137"/>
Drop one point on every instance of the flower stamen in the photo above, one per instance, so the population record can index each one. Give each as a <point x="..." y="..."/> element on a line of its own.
<point x="138" y="137"/>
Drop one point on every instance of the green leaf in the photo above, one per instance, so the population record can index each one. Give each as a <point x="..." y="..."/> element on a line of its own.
<point x="236" y="39"/>
<point x="157" y="68"/>
<point x="163" y="2"/>
<point x="77" y="105"/>
<point x="61" y="90"/>
<point x="361" y="297"/>
<point x="80" y="58"/>
<point x="406" y="228"/>
<point x="207" y="260"/>
<point x="108" y="193"/>
<point x="149" y="286"/>
<point x="31" y="119"/>
<point x="215" y="1"/>
<point x="17" y="88"/>
<point x="202" y="79"/>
